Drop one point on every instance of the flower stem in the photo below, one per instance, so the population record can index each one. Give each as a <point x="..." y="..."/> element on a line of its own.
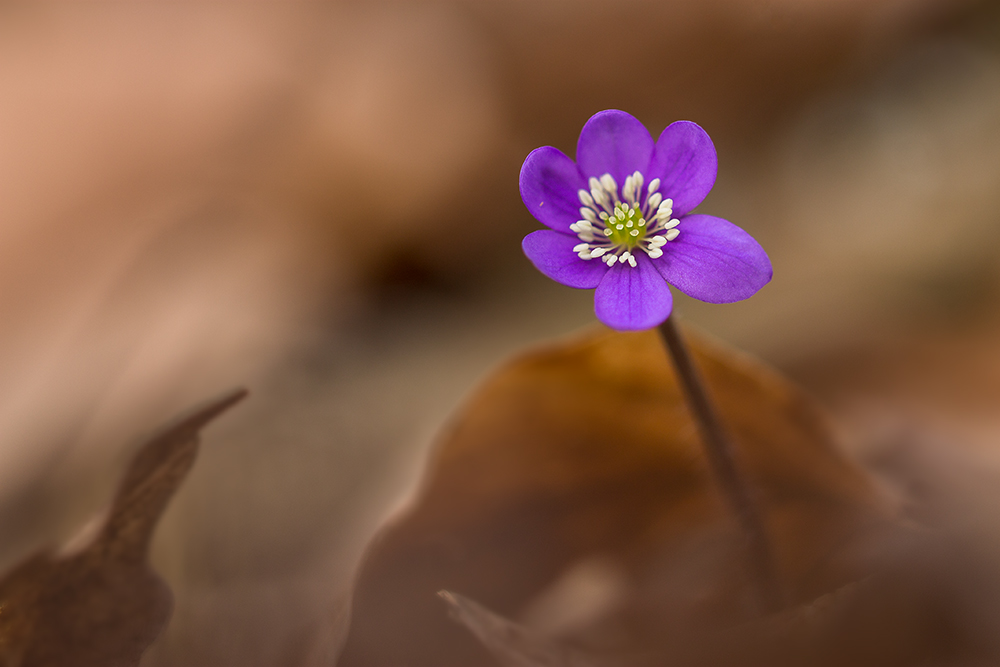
<point x="726" y="470"/>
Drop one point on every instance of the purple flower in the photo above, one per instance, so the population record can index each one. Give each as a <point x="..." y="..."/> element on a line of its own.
<point x="620" y="221"/>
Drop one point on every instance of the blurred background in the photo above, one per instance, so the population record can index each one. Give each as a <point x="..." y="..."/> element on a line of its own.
<point x="319" y="201"/>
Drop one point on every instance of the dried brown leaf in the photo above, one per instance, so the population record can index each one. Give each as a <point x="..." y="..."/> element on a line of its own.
<point x="103" y="604"/>
<point x="584" y="451"/>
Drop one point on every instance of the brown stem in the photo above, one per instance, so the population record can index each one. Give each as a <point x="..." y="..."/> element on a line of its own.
<point x="722" y="461"/>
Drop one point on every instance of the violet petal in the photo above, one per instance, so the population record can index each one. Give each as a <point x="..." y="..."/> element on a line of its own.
<point x="633" y="298"/>
<point x="613" y="142"/>
<point x="685" y="162"/>
<point x="713" y="260"/>
<point x="549" y="184"/>
<point x="552" y="254"/>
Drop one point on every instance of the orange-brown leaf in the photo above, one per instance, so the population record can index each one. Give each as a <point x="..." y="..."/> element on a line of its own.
<point x="585" y="450"/>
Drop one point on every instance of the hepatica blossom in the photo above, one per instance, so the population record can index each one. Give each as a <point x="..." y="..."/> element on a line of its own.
<point x="620" y="221"/>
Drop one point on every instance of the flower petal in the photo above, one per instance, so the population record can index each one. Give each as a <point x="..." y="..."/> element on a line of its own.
<point x="685" y="162"/>
<point x="613" y="142"/>
<point x="549" y="184"/>
<point x="633" y="298"/>
<point x="713" y="260"/>
<point x="552" y="254"/>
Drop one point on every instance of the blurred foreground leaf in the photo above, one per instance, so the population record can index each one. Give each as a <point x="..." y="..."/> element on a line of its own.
<point x="509" y="643"/>
<point x="570" y="493"/>
<point x="102" y="605"/>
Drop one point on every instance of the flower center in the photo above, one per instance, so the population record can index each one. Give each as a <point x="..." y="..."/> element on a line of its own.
<point x="612" y="228"/>
<point x="626" y="226"/>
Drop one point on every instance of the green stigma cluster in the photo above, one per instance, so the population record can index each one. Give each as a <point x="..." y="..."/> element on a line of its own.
<point x="625" y="226"/>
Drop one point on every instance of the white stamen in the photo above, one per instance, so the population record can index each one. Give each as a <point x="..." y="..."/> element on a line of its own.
<point x="597" y="252"/>
<point x="601" y="197"/>
<point x="585" y="255"/>
<point x="625" y="255"/>
<point x="585" y="198"/>
<point x="580" y="247"/>
<point x="657" y="241"/>
<point x="628" y="191"/>
<point x="654" y="185"/>
<point x="631" y="261"/>
<point x="637" y="179"/>
<point x="609" y="185"/>
<point x="588" y="214"/>
<point x="663" y="217"/>
<point x="651" y="203"/>
<point x="655" y="252"/>
<point x="598" y="193"/>
<point x="672" y="234"/>
<point x="611" y="260"/>
<point x="673" y="223"/>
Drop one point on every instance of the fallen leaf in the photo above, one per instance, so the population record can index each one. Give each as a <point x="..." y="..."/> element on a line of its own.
<point x="584" y="451"/>
<point x="101" y="604"/>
